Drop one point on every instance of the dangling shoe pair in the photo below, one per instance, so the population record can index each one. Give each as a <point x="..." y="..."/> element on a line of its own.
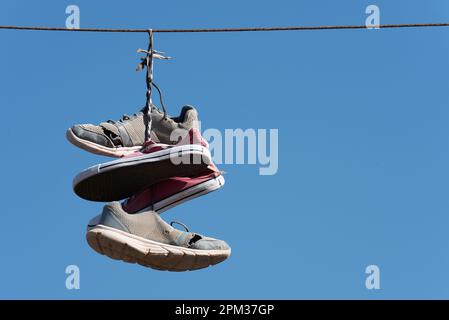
<point x="154" y="176"/>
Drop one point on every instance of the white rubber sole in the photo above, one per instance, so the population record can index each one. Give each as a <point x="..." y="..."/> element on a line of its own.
<point x="99" y="149"/>
<point x="120" y="179"/>
<point x="127" y="247"/>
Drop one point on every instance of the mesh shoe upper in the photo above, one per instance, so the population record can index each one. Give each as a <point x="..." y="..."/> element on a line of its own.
<point x="149" y="225"/>
<point x="130" y="130"/>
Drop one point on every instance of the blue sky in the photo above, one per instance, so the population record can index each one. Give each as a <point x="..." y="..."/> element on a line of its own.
<point x="363" y="146"/>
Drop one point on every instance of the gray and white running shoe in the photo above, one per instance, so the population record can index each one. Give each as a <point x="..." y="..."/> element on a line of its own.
<point x="146" y="239"/>
<point x="120" y="138"/>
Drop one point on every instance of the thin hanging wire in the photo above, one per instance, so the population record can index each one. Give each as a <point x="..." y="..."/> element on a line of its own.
<point x="290" y="28"/>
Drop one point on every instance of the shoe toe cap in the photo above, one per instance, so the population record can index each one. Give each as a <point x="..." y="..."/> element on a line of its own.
<point x="210" y="244"/>
<point x="91" y="133"/>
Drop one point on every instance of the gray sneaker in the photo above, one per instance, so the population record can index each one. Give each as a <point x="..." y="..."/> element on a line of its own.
<point x="120" y="138"/>
<point x="146" y="239"/>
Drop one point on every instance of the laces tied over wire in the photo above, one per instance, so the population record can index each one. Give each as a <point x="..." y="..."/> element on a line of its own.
<point x="147" y="62"/>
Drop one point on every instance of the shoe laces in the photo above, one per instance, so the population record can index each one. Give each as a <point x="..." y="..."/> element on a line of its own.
<point x="195" y="237"/>
<point x="147" y="63"/>
<point x="124" y="118"/>
<point x="181" y="224"/>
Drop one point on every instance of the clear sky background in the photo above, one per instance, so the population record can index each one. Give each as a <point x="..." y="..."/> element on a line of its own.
<point x="363" y="119"/>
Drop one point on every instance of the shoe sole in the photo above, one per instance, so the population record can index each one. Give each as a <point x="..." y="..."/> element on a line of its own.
<point x="127" y="247"/>
<point x="120" y="179"/>
<point x="99" y="149"/>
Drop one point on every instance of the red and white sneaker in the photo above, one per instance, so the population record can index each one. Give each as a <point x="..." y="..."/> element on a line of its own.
<point x="155" y="162"/>
<point x="174" y="191"/>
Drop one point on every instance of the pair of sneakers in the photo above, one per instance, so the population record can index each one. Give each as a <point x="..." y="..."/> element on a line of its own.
<point x="150" y="177"/>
